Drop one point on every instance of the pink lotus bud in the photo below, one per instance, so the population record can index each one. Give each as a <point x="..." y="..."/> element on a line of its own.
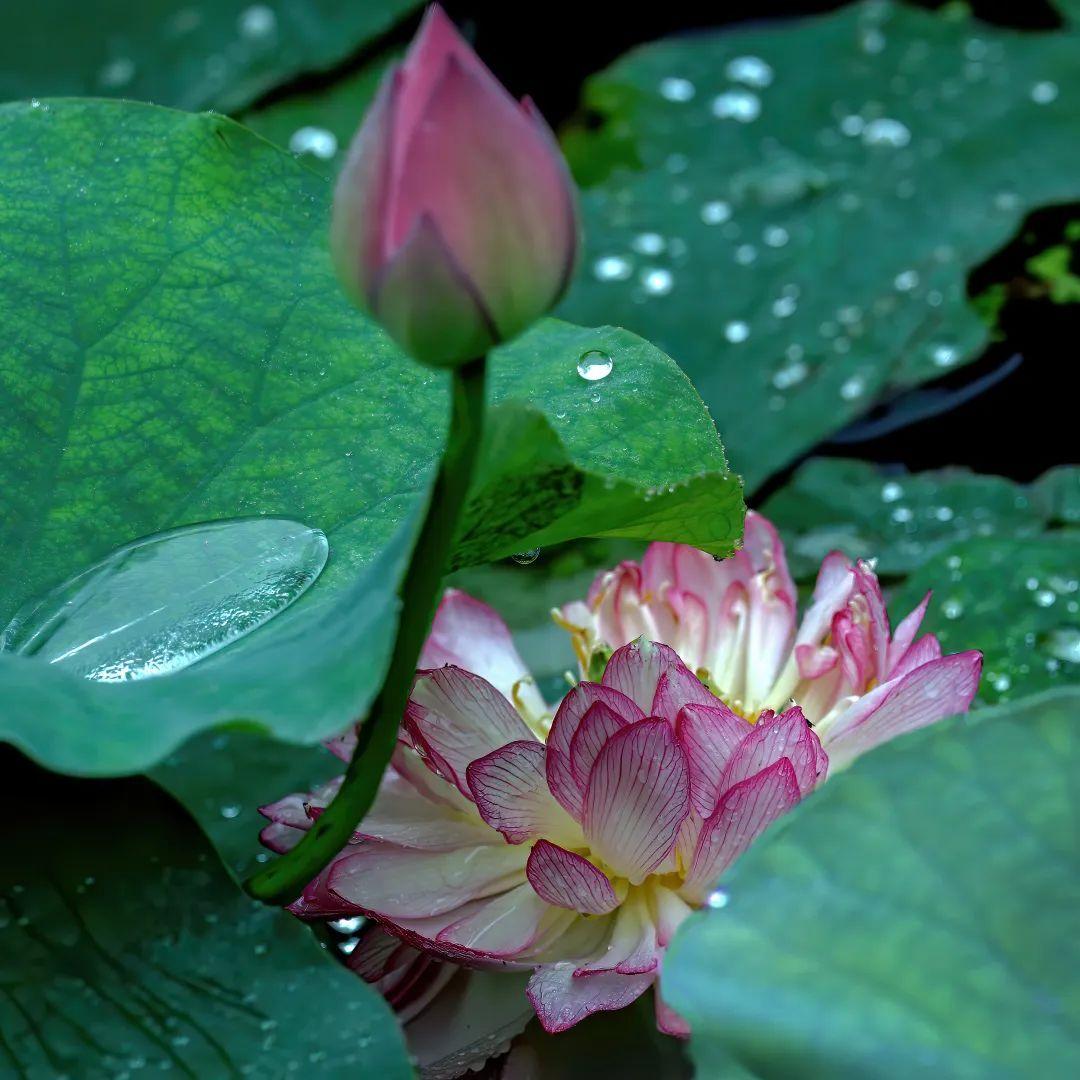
<point x="455" y="222"/>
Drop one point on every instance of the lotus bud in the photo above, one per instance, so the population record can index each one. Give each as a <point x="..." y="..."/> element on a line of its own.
<point x="455" y="222"/>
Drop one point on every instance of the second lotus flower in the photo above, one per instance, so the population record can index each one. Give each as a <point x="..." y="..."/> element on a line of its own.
<point x="573" y="844"/>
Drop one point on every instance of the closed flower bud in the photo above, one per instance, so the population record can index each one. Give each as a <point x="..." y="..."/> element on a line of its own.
<point x="455" y="222"/>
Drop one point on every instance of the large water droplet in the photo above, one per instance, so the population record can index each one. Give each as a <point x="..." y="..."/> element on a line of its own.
<point x="594" y="365"/>
<point x="526" y="558"/>
<point x="166" y="601"/>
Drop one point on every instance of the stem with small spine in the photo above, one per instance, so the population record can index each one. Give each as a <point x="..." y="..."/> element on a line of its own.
<point x="284" y="880"/>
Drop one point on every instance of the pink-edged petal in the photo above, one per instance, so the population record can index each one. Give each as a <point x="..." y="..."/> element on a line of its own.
<point x="343" y="745"/>
<point x="408" y="764"/>
<point x="408" y="978"/>
<point x="745" y="811"/>
<point x="401" y="815"/>
<point x="511" y="792"/>
<point x="568" y="717"/>
<point x="905" y="635"/>
<point x="569" y="881"/>
<point x="679" y="686"/>
<point x="772" y="738"/>
<point x="293" y="815"/>
<point x="815" y="660"/>
<point x="638" y="796"/>
<point x="396" y="882"/>
<point x="596" y="727"/>
<point x="456" y="717"/>
<point x="835" y="583"/>
<point x="668" y="1020"/>
<point x="710" y="736"/>
<point x="921" y="652"/>
<point x="923" y="696"/>
<point x="635" y="669"/>
<point x="632" y="948"/>
<point x="471" y="635"/>
<point x="508" y="925"/>
<point x="561" y="1001"/>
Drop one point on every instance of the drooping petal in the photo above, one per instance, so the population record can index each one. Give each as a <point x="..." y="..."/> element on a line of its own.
<point x="772" y="738"/>
<point x="596" y="727"/>
<point x="637" y="797"/>
<point x="923" y="696"/>
<point x="668" y="1020"/>
<point x="398" y="882"/>
<point x="745" y="811"/>
<point x="457" y="717"/>
<point x="561" y="1001"/>
<point x="408" y="978"/>
<point x="569" y="880"/>
<point x="709" y="735"/>
<point x="512" y="795"/>
<point x="564" y="727"/>
<point x="471" y="635"/>
<point x="635" y="670"/>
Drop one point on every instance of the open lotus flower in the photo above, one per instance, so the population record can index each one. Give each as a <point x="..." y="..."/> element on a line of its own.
<point x="572" y="846"/>
<point x="734" y="624"/>
<point x="455" y="222"/>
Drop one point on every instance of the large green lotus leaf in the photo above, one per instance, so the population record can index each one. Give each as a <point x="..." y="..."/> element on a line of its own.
<point x="221" y="55"/>
<point x="809" y="200"/>
<point x="917" y="916"/>
<point x="177" y="350"/>
<point x="903" y="519"/>
<point x="1016" y="600"/>
<point x="126" y="950"/>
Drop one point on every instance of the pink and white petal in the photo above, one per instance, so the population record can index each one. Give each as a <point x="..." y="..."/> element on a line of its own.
<point x="924" y="650"/>
<point x="771" y="739"/>
<point x="669" y="912"/>
<point x="637" y="798"/>
<point x="457" y="717"/>
<point x="923" y="696"/>
<point x="343" y="745"/>
<point x="834" y="586"/>
<point x="408" y="764"/>
<point x="668" y="1020"/>
<point x="401" y="815"/>
<point x="815" y="660"/>
<point x="763" y="545"/>
<point x="568" y="880"/>
<point x="745" y="811"/>
<point x="471" y="635"/>
<point x="632" y="948"/>
<point x="568" y="717"/>
<point x="561" y="1001"/>
<point x="396" y="882"/>
<point x="677" y="687"/>
<point x="512" y="795"/>
<point x="596" y="727"/>
<point x="710" y="735"/>
<point x="905" y="635"/>
<point x="635" y="669"/>
<point x="506" y="926"/>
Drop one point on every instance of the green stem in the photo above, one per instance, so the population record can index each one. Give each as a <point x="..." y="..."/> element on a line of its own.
<point x="284" y="880"/>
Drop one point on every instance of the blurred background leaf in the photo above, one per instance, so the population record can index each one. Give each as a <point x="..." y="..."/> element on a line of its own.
<point x="798" y="235"/>
<point x="917" y="915"/>
<point x="126" y="949"/>
<point x="174" y="52"/>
